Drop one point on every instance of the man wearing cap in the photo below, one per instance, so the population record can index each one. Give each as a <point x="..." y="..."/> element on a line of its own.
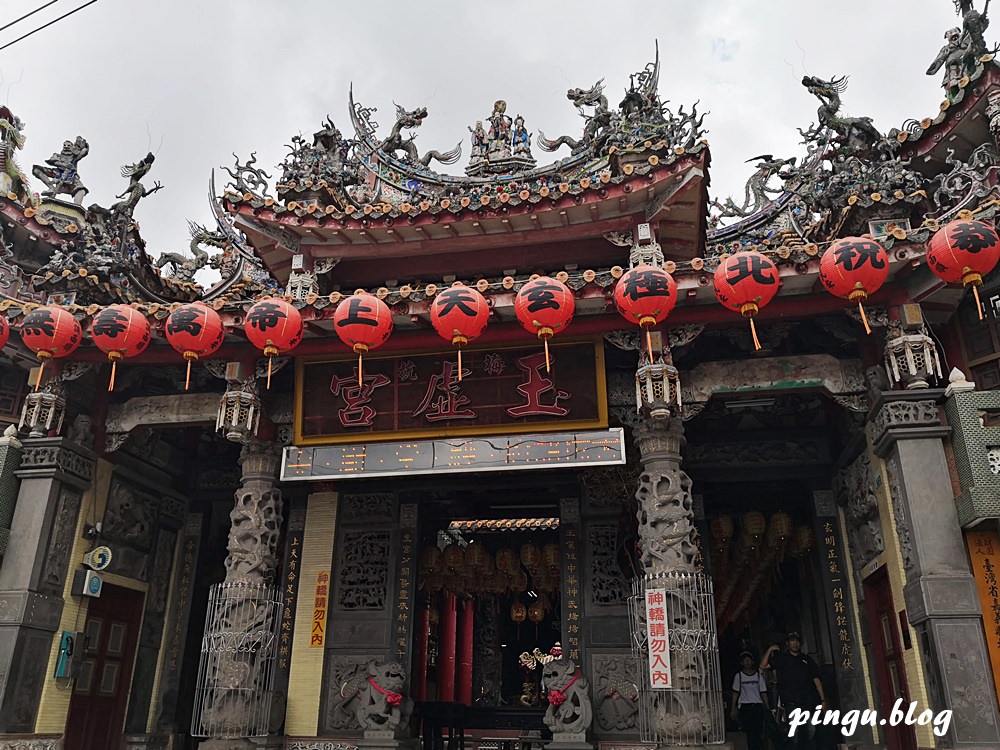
<point x="750" y="699"/>
<point x="799" y="685"/>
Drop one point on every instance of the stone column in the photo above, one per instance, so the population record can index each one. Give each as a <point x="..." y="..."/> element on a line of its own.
<point x="240" y="643"/>
<point x="690" y="715"/>
<point x="940" y="591"/>
<point x="54" y="473"/>
<point x="10" y="461"/>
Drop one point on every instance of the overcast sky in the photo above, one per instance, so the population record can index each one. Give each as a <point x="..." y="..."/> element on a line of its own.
<point x="196" y="81"/>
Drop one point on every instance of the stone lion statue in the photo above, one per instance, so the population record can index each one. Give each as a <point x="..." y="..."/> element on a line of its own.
<point x="569" y="708"/>
<point x="379" y="704"/>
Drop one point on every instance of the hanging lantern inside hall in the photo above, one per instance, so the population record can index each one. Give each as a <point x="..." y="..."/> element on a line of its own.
<point x="550" y="557"/>
<point x="50" y="332"/>
<point x="854" y="268"/>
<point x="646" y="295"/>
<point x="454" y="558"/>
<point x="779" y="529"/>
<point x="518" y="612"/>
<point x="754" y="526"/>
<point x="459" y="315"/>
<point x="536" y="612"/>
<point x="363" y="322"/>
<point x="275" y="327"/>
<point x="430" y="559"/>
<point x="545" y="306"/>
<point x="477" y="558"/>
<point x="531" y="556"/>
<point x="746" y="282"/>
<point x="195" y="331"/>
<point x="506" y="560"/>
<point x="120" y="332"/>
<point x="964" y="251"/>
<point x="722" y="530"/>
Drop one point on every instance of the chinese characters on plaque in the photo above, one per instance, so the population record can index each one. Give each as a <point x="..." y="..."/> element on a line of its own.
<point x="403" y="598"/>
<point x="984" y="551"/>
<point x="658" y="639"/>
<point x="572" y="595"/>
<point x="320" y="600"/>
<point x="289" y="592"/>
<point x="422" y="394"/>
<point x="835" y="577"/>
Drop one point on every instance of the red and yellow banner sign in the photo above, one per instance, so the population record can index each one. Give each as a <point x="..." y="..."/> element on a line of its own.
<point x="406" y="396"/>
<point x="984" y="551"/>
<point x="317" y="637"/>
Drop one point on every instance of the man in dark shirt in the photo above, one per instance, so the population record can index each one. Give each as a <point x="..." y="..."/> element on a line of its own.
<point x="799" y="685"/>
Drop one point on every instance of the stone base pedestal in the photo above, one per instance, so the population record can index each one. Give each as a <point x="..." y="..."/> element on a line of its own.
<point x="569" y="741"/>
<point x="376" y="739"/>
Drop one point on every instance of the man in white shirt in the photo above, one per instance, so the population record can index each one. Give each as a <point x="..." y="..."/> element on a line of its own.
<point x="750" y="701"/>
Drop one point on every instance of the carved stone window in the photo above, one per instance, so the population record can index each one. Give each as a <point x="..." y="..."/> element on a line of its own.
<point x="364" y="570"/>
<point x="608" y="586"/>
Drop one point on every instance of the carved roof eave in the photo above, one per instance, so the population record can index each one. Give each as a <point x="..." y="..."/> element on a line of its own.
<point x="574" y="211"/>
<point x="33" y="225"/>
<point x="920" y="137"/>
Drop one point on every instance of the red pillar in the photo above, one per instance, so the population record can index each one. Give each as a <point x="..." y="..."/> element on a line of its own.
<point x="423" y="638"/>
<point x="446" y="658"/>
<point x="464" y="680"/>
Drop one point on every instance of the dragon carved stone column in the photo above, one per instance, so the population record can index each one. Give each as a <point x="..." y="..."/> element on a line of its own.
<point x="238" y="649"/>
<point x="690" y="713"/>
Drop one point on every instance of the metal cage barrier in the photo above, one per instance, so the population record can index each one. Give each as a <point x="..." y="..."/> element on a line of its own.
<point x="238" y="650"/>
<point x="690" y="711"/>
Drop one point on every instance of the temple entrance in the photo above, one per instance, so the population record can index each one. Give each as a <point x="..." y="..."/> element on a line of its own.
<point x="100" y="692"/>
<point x="489" y="605"/>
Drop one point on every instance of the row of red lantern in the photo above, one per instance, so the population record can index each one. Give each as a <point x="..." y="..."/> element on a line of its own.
<point x="852" y="268"/>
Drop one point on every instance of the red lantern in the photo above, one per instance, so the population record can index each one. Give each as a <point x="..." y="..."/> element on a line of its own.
<point x="646" y="295"/>
<point x="746" y="282"/>
<point x="459" y="314"/>
<point x="4" y="331"/>
<point x="854" y="268"/>
<point x="194" y="330"/>
<point x="363" y="322"/>
<point x="544" y="306"/>
<point x="49" y="332"/>
<point x="275" y="327"/>
<point x="120" y="331"/>
<point x="964" y="250"/>
<point x="518" y="612"/>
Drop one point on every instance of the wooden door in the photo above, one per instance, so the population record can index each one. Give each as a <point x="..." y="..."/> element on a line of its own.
<point x="101" y="690"/>
<point x="889" y="669"/>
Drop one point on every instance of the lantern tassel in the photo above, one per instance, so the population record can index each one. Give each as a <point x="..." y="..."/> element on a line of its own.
<point x="187" y="378"/>
<point x="269" y="361"/>
<point x="649" y="346"/>
<point x="111" y="383"/>
<point x="753" y="332"/>
<point x="360" y="376"/>
<point x="864" y="318"/>
<point x="38" y="380"/>
<point x="459" y="364"/>
<point x="548" y="364"/>
<point x="979" y="305"/>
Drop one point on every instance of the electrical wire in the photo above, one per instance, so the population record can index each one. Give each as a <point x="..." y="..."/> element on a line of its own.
<point x="45" y="26"/>
<point x="26" y="15"/>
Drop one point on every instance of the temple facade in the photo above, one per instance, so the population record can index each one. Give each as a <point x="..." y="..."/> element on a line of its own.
<point x="377" y="530"/>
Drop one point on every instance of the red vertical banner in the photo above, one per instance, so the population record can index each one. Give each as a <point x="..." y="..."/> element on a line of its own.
<point x="984" y="552"/>
<point x="318" y="636"/>
<point x="657" y="639"/>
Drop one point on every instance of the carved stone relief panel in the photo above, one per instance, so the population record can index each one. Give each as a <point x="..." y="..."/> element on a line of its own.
<point x="162" y="563"/>
<point x="130" y="515"/>
<point x="608" y="586"/>
<point x="363" y="581"/>
<point x="61" y="541"/>
<point x="616" y="692"/>
<point x="899" y="513"/>
<point x="367" y="507"/>
<point x="340" y="674"/>
<point x="856" y="487"/>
